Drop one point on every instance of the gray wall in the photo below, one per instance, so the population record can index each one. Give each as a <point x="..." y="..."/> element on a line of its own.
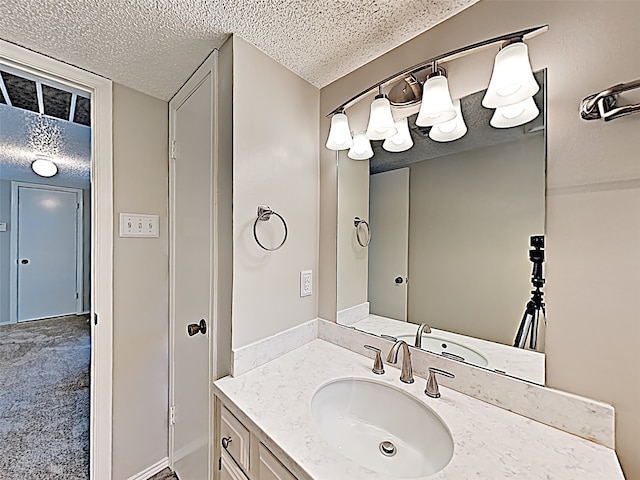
<point x="5" y="246"/>
<point x="593" y="186"/>
<point x="141" y="285"/>
<point x="471" y="215"/>
<point x="5" y="249"/>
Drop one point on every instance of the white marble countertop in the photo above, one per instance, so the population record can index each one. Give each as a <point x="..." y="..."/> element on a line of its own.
<point x="274" y="401"/>
<point x="517" y="362"/>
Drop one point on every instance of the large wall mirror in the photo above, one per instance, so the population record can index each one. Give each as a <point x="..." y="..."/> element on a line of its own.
<point x="450" y="226"/>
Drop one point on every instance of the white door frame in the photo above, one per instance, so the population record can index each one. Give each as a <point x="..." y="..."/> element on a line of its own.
<point x="100" y="429"/>
<point x="208" y="67"/>
<point x="13" y="273"/>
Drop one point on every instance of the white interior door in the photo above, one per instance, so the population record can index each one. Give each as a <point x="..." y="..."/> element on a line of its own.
<point x="47" y="251"/>
<point x="191" y="278"/>
<point x="389" y="247"/>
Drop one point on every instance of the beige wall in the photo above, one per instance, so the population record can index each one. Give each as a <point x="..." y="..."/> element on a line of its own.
<point x="353" y="201"/>
<point x="141" y="271"/>
<point x="471" y="217"/>
<point x="275" y="162"/>
<point x="593" y="186"/>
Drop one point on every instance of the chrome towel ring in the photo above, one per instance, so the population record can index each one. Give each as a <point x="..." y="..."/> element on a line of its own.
<point x="357" y="221"/>
<point x="264" y="214"/>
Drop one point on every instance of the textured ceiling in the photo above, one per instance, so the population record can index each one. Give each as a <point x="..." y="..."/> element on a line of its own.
<point x="154" y="45"/>
<point x="24" y="134"/>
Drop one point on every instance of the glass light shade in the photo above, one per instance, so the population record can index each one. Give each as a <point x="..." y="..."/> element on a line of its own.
<point x="514" y="115"/>
<point x="44" y="167"/>
<point x="437" y="106"/>
<point x="339" y="134"/>
<point x="451" y="130"/>
<point x="361" y="149"/>
<point x="512" y="80"/>
<point x="402" y="140"/>
<point x="381" y="125"/>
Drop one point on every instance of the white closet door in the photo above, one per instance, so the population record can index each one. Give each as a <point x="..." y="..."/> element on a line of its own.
<point x="47" y="257"/>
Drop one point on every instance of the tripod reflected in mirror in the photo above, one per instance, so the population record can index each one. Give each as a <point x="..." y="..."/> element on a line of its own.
<point x="530" y="323"/>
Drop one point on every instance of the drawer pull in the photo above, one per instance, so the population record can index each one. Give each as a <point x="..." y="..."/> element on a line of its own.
<point x="226" y="441"/>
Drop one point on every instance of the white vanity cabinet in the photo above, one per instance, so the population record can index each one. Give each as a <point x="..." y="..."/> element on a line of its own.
<point x="243" y="456"/>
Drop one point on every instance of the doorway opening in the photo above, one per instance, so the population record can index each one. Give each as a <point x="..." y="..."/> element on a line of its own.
<point x="56" y="275"/>
<point x="45" y="332"/>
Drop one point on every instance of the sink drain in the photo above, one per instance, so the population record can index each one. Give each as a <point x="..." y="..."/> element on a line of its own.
<point x="388" y="449"/>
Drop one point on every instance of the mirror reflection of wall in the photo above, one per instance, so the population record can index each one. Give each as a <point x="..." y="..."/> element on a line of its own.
<point x="450" y="238"/>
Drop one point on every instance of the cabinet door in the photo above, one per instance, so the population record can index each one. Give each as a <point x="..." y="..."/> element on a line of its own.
<point x="271" y="468"/>
<point x="229" y="470"/>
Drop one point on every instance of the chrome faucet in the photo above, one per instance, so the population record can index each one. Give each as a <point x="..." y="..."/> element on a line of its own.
<point x="423" y="328"/>
<point x="406" y="374"/>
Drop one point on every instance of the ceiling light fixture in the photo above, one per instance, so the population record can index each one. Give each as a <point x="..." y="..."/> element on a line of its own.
<point x="512" y="82"/>
<point x="437" y="106"/>
<point x="361" y="149"/>
<point x="451" y="130"/>
<point x="339" y="134"/>
<point x="381" y="125"/>
<point x="515" y="115"/>
<point x="44" y="166"/>
<point x="402" y="140"/>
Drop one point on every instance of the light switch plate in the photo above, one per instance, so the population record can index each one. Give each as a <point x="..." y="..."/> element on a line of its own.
<point x="306" y="283"/>
<point x="3" y="227"/>
<point x="139" y="225"/>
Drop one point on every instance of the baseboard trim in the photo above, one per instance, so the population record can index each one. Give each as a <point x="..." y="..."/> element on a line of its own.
<point x="152" y="470"/>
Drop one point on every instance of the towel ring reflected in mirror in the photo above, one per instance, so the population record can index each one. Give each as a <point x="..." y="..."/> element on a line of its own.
<point x="264" y="214"/>
<point x="357" y="222"/>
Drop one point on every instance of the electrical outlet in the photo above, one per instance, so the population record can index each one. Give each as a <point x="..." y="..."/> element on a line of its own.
<point x="306" y="283"/>
<point x="139" y="225"/>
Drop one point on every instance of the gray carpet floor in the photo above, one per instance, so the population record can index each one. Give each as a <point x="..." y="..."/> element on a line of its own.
<point x="165" y="474"/>
<point x="44" y="400"/>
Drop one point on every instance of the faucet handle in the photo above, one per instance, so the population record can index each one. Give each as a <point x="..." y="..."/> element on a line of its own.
<point x="433" y="390"/>
<point x="378" y="366"/>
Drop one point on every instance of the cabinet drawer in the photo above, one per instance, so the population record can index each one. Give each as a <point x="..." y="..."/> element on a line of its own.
<point x="238" y="437"/>
<point x="271" y="468"/>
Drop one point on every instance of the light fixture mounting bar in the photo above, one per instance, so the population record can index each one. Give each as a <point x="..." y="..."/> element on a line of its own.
<point x="452" y="55"/>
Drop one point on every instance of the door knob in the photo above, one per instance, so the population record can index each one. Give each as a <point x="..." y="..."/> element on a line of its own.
<point x="24" y="261"/>
<point x="399" y="280"/>
<point x="194" y="328"/>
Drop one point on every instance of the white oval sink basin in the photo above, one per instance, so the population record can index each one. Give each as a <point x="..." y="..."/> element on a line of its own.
<point x="440" y="345"/>
<point x="358" y="416"/>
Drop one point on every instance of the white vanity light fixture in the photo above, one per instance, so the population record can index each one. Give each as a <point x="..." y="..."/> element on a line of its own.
<point x="339" y="134"/>
<point x="515" y="115"/>
<point x="451" y="130"/>
<point x="381" y="125"/>
<point x="402" y="140"/>
<point x="437" y="106"/>
<point x="44" y="166"/>
<point x="361" y="149"/>
<point x="512" y="79"/>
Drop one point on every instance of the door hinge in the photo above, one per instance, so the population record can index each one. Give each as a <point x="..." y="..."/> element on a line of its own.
<point x="77" y="206"/>
<point x="95" y="319"/>
<point x="77" y="295"/>
<point x="174" y="150"/>
<point x="220" y="463"/>
<point x="172" y="415"/>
